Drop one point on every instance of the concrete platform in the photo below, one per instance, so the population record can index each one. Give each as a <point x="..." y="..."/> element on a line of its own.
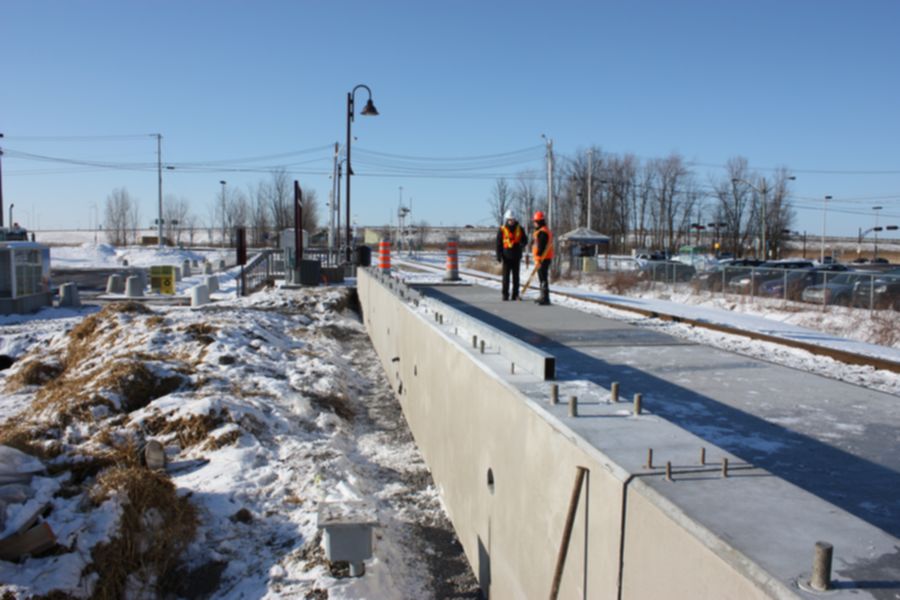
<point x="837" y="441"/>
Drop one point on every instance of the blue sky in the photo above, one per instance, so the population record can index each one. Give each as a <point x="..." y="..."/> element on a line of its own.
<point x="810" y="85"/>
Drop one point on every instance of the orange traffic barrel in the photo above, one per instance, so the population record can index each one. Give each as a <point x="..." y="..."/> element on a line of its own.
<point x="384" y="256"/>
<point x="452" y="259"/>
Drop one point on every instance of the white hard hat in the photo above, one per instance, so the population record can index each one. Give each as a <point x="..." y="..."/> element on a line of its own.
<point x="509" y="215"/>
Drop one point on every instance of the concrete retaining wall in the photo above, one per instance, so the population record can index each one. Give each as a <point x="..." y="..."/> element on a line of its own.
<point x="505" y="469"/>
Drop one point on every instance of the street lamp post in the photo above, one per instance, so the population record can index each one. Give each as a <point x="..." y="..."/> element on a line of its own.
<point x="1" y="185"/>
<point x="159" y="221"/>
<point x="223" y="211"/>
<point x="368" y="110"/>
<point x="824" y="223"/>
<point x="875" y="253"/>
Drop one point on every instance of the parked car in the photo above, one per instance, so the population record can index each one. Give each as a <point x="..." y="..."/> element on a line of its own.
<point x="752" y="279"/>
<point x="666" y="270"/>
<point x="837" y="289"/>
<point x="882" y="291"/>
<point x="798" y="281"/>
<point x="712" y="279"/>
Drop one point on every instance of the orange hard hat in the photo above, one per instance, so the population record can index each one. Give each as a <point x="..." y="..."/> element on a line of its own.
<point x="539" y="215"/>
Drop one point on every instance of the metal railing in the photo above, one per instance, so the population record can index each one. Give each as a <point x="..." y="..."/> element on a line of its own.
<point x="259" y="271"/>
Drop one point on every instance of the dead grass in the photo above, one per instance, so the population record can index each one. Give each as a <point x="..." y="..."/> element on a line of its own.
<point x="136" y="385"/>
<point x="226" y="439"/>
<point x="156" y="526"/>
<point x="622" y="282"/>
<point x="885" y="328"/>
<point x="486" y="263"/>
<point x="189" y="431"/>
<point x="201" y="332"/>
<point x="33" y="372"/>
<point x="31" y="439"/>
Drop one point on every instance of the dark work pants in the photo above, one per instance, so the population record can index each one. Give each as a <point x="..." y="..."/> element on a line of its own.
<point x="510" y="265"/>
<point x="544" y="277"/>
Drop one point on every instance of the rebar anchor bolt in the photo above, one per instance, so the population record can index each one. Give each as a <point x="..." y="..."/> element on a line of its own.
<point x="573" y="406"/>
<point x="554" y="393"/>
<point x="637" y="404"/>
<point x="614" y="392"/>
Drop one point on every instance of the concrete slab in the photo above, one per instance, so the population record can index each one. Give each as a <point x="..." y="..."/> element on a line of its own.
<point x="837" y="441"/>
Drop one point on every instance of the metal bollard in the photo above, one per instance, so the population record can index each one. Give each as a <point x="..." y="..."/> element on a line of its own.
<point x="554" y="394"/>
<point x="474" y="341"/>
<point x="821" y="574"/>
<point x="573" y="406"/>
<point x="614" y="392"/>
<point x="481" y="344"/>
<point x="637" y="404"/>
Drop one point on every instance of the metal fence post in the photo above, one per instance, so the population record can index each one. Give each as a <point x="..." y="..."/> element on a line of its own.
<point x="872" y="293"/>
<point x="785" y="285"/>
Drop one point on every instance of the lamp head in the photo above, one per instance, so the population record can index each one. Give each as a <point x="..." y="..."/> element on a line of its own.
<point x="369" y="109"/>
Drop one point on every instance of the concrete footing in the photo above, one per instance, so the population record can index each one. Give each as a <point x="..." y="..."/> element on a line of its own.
<point x="199" y="295"/>
<point x="115" y="284"/>
<point x="212" y="283"/>
<point x="186" y="268"/>
<point x="134" y="287"/>
<point x="68" y="295"/>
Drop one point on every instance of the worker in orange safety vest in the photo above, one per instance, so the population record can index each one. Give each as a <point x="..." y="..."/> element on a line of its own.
<point x="511" y="242"/>
<point x="542" y="250"/>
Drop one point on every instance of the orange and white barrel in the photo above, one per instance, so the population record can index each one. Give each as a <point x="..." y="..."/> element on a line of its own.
<point x="384" y="256"/>
<point x="452" y="259"/>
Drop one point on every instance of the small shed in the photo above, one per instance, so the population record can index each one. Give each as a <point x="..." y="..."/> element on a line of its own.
<point x="24" y="277"/>
<point x="585" y="244"/>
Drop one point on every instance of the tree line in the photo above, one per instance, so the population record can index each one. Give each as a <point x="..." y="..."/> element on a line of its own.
<point x="264" y="209"/>
<point x="655" y="203"/>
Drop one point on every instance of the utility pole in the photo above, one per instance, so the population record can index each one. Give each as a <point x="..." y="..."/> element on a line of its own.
<point x="332" y="200"/>
<point x="159" y="221"/>
<point x="549" y="182"/>
<point x="590" y="173"/>
<point x="223" y="182"/>
<point x="824" y="222"/>
<point x="762" y="214"/>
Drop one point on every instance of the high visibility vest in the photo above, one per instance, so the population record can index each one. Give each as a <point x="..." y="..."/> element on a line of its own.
<point x="548" y="251"/>
<point x="512" y="239"/>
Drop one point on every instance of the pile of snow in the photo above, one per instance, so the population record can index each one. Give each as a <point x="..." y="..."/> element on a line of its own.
<point x="266" y="406"/>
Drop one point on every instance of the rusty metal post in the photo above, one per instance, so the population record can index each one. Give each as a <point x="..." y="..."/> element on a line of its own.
<point x="637" y="404"/>
<point x="614" y="392"/>
<point x="649" y="464"/>
<point x="821" y="574"/>
<point x="567" y="532"/>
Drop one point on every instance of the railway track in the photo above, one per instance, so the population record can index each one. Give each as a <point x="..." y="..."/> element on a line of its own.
<point x="844" y="356"/>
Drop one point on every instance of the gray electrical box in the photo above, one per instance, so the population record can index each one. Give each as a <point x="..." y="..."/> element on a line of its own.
<point x="347" y="528"/>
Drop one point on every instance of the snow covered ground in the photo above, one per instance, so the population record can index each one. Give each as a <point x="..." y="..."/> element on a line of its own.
<point x="266" y="406"/>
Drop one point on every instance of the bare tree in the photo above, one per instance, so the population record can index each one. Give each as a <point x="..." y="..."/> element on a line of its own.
<point x="116" y="216"/>
<point x="525" y="195"/>
<point x="191" y="224"/>
<point x="310" y="210"/>
<point x="501" y="200"/>
<point x="260" y="221"/>
<point x="281" y="200"/>
<point x="175" y="211"/>
<point x="734" y="206"/>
